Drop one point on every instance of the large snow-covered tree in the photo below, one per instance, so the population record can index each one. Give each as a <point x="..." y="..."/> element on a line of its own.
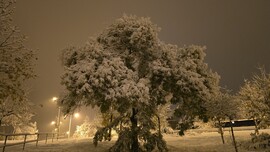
<point x="255" y="97"/>
<point x="129" y="70"/>
<point x="16" y="66"/>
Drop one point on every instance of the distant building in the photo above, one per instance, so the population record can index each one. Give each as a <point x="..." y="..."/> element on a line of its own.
<point x="239" y="123"/>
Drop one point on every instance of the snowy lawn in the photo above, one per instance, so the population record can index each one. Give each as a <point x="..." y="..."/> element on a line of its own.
<point x="192" y="142"/>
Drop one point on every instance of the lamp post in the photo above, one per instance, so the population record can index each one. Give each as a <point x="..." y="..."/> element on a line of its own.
<point x="76" y="115"/>
<point x="53" y="123"/>
<point x="54" y="99"/>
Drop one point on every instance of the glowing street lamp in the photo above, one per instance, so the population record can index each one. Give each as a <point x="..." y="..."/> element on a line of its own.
<point x="53" y="123"/>
<point x="54" y="99"/>
<point x="76" y="115"/>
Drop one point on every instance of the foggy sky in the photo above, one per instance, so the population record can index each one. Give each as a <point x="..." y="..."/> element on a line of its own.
<point x="236" y="34"/>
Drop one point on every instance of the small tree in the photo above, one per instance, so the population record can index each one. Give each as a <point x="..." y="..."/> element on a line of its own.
<point x="255" y="97"/>
<point x="164" y="112"/>
<point x="222" y="107"/>
<point x="16" y="66"/>
<point x="129" y="70"/>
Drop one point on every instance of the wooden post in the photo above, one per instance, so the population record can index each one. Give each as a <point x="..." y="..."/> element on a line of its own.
<point x="52" y="137"/>
<point x="37" y="139"/>
<point x="5" y="143"/>
<point x="24" y="140"/>
<point x="46" y="138"/>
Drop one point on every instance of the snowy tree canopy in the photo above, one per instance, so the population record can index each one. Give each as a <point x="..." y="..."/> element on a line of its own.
<point x="16" y="66"/>
<point x="255" y="97"/>
<point x="223" y="106"/>
<point x="127" y="68"/>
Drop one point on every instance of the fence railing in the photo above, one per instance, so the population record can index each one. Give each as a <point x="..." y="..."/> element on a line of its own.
<point x="38" y="137"/>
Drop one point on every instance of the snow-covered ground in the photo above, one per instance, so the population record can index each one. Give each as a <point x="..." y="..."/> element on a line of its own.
<point x="192" y="142"/>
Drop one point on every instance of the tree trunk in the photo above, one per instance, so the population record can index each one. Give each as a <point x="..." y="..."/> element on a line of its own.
<point x="159" y="130"/>
<point x="2" y="130"/>
<point x="134" y="131"/>
<point x="256" y="127"/>
<point x="110" y="130"/>
<point x="121" y="125"/>
<point x="234" y="142"/>
<point x="221" y="132"/>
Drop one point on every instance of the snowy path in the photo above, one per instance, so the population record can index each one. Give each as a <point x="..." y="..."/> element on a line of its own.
<point x="192" y="142"/>
<point x="63" y="145"/>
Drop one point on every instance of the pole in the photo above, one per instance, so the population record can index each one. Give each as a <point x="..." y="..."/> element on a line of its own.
<point x="37" y="139"/>
<point x="234" y="141"/>
<point x="58" y="124"/>
<point x="46" y="138"/>
<point x="24" y="141"/>
<point x="69" y="128"/>
<point x="5" y="143"/>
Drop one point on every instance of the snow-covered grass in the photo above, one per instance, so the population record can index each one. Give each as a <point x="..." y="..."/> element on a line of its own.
<point x="193" y="141"/>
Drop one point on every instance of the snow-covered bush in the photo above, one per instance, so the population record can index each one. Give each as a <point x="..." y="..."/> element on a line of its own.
<point x="199" y="124"/>
<point x="258" y="142"/>
<point x="29" y="128"/>
<point x="87" y="128"/>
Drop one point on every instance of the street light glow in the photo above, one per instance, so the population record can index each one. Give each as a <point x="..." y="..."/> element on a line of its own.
<point x="53" y="123"/>
<point x="54" y="99"/>
<point x="76" y="115"/>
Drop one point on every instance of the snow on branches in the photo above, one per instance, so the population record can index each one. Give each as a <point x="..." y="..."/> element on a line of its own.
<point x="127" y="69"/>
<point x="16" y="66"/>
